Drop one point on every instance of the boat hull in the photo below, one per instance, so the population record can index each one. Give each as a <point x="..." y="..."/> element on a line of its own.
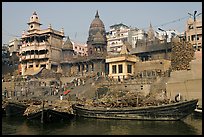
<point x="175" y="111"/>
<point x="14" y="109"/>
<point x="49" y="115"/>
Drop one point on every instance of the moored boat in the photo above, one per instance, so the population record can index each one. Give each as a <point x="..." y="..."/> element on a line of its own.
<point x="13" y="109"/>
<point x="171" y="111"/>
<point x="49" y="115"/>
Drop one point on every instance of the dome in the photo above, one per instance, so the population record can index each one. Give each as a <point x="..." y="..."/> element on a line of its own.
<point x="97" y="22"/>
<point x="95" y="27"/>
<point x="34" y="18"/>
<point x="68" y="44"/>
<point x="99" y="38"/>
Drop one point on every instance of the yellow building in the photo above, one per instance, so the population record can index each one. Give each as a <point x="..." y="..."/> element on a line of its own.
<point x="121" y="66"/>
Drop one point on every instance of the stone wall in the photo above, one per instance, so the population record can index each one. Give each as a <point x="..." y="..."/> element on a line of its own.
<point x="187" y="82"/>
<point x="152" y="65"/>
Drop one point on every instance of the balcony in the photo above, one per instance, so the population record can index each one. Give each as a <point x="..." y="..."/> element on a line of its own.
<point x="34" y="56"/>
<point x="27" y="57"/>
<point x="36" y="46"/>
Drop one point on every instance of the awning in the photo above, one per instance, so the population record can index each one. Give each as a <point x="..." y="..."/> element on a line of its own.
<point x="32" y="72"/>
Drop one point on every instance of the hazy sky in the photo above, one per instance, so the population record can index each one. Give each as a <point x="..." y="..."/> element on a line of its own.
<point x="76" y="17"/>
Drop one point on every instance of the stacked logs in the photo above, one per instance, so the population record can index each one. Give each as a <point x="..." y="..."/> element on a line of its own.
<point x="182" y="54"/>
<point x="57" y="105"/>
<point x="121" y="99"/>
<point x="49" y="74"/>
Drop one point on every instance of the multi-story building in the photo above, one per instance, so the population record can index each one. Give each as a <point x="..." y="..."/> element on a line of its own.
<point x="40" y="48"/>
<point x="115" y="37"/>
<point x="167" y="36"/>
<point x="5" y="54"/>
<point x="80" y="49"/>
<point x="14" y="45"/>
<point x="193" y="30"/>
<point x="135" y="35"/>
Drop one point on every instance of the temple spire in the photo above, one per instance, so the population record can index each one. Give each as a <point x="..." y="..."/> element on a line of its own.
<point x="97" y="16"/>
<point x="150" y="25"/>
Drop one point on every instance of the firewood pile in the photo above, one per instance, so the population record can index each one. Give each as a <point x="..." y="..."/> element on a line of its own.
<point x="182" y="54"/>
<point x="57" y="105"/>
<point x="32" y="109"/>
<point x="49" y="74"/>
<point x="62" y="106"/>
<point x="125" y="99"/>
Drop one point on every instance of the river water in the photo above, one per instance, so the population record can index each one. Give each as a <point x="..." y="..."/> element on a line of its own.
<point x="191" y="125"/>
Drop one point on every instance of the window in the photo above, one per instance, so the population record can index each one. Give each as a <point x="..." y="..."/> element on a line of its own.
<point x="141" y="87"/>
<point x="114" y="69"/>
<point x="120" y="68"/>
<point x="129" y="68"/>
<point x="199" y="27"/>
<point x="43" y="65"/>
<point x="190" y="27"/>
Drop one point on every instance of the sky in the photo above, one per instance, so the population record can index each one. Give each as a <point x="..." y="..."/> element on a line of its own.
<point x="75" y="17"/>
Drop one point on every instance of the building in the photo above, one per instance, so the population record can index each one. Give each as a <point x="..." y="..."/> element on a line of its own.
<point x="121" y="66"/>
<point x="97" y="42"/>
<point x="40" y="48"/>
<point x="115" y="37"/>
<point x="80" y="49"/>
<point x="5" y="54"/>
<point x="94" y="60"/>
<point x="193" y="30"/>
<point x="135" y="35"/>
<point x="14" y="45"/>
<point x="167" y="36"/>
<point x="125" y="65"/>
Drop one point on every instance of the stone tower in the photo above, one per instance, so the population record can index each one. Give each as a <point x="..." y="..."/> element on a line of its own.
<point x="34" y="23"/>
<point x="97" y="42"/>
<point x="67" y="50"/>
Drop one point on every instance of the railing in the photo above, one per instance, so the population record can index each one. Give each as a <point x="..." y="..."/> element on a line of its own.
<point x="35" y="47"/>
<point x="34" y="56"/>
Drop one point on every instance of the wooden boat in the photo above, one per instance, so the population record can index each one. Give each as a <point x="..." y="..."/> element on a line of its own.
<point x="172" y="111"/>
<point x="14" y="109"/>
<point x="48" y="115"/>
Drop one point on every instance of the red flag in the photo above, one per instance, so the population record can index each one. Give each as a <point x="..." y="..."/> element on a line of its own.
<point x="66" y="92"/>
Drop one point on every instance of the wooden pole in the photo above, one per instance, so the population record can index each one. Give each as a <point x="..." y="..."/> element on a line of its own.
<point x="42" y="117"/>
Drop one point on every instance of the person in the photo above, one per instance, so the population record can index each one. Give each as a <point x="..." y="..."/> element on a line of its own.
<point x="5" y="93"/>
<point x="14" y="92"/>
<point x="61" y="97"/>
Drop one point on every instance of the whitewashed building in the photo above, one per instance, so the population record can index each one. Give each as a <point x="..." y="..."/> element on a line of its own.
<point x="115" y="37"/>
